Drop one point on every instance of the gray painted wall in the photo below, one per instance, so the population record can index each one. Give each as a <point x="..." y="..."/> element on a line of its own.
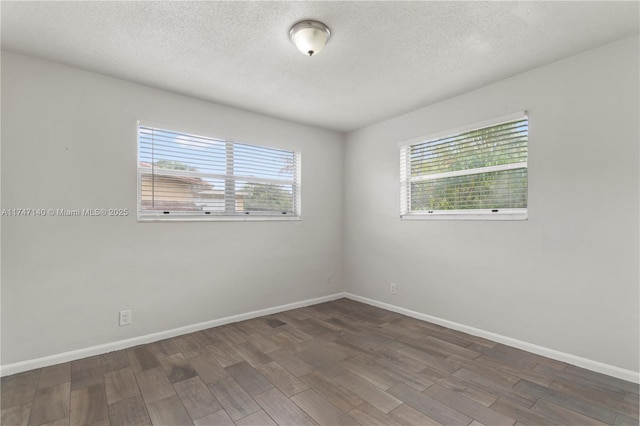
<point x="567" y="278"/>
<point x="69" y="141"/>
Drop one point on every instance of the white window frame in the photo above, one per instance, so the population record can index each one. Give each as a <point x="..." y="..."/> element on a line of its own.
<point x="178" y="216"/>
<point x="477" y="214"/>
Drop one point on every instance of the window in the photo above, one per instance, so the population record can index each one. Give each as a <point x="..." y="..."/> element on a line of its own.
<point x="186" y="177"/>
<point x="478" y="172"/>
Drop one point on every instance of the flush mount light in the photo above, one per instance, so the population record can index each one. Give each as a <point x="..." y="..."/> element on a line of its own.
<point x="309" y="36"/>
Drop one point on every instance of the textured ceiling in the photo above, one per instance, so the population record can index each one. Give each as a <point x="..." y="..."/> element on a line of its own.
<point x="384" y="58"/>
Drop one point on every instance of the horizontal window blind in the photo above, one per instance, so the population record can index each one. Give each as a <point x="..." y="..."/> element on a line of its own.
<point x="477" y="171"/>
<point x="183" y="175"/>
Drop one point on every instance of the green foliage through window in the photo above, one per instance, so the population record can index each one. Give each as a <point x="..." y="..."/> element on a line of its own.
<point x="482" y="169"/>
<point x="267" y="197"/>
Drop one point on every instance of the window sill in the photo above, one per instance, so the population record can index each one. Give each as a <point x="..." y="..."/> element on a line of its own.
<point x="464" y="216"/>
<point x="208" y="218"/>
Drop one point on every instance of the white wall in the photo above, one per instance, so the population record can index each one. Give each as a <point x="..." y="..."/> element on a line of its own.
<point x="69" y="141"/>
<point x="566" y="279"/>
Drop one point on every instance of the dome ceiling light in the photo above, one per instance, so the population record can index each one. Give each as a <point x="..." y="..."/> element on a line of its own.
<point x="309" y="36"/>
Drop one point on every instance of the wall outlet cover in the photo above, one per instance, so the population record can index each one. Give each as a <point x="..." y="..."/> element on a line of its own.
<point x="125" y="317"/>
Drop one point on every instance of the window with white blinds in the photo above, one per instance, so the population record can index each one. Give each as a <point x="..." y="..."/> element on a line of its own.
<point x="475" y="172"/>
<point x="183" y="177"/>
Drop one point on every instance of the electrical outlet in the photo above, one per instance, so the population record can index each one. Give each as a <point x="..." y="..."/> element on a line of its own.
<point x="329" y="279"/>
<point x="393" y="288"/>
<point x="125" y="317"/>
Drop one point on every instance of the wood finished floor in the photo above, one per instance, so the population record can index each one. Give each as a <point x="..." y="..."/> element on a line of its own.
<point x="336" y="363"/>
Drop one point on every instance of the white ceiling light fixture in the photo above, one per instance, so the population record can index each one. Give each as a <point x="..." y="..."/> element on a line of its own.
<point x="309" y="36"/>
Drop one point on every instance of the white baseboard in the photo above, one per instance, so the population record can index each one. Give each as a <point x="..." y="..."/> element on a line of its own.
<point x="609" y="370"/>
<point x="19" y="367"/>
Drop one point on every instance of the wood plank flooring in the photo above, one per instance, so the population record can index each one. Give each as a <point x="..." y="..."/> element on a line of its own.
<point x="336" y="363"/>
